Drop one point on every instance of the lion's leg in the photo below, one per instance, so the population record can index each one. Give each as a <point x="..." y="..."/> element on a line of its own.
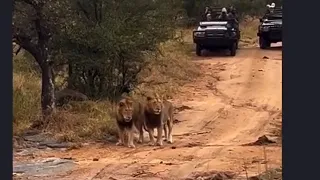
<point x="159" y="137"/>
<point x="165" y="128"/>
<point x="121" y="138"/>
<point x="141" y="138"/>
<point x="170" y="126"/>
<point x="150" y="131"/>
<point x="130" y="139"/>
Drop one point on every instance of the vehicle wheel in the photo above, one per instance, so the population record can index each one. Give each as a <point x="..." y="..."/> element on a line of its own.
<point x="233" y="49"/>
<point x="263" y="43"/>
<point x="239" y="37"/>
<point x="198" y="50"/>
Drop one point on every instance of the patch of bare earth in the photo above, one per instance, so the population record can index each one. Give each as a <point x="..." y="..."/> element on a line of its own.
<point x="225" y="127"/>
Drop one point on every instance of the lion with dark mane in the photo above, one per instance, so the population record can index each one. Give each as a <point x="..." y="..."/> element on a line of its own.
<point x="129" y="116"/>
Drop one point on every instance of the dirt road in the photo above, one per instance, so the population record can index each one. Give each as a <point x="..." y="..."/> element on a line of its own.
<point x="236" y="101"/>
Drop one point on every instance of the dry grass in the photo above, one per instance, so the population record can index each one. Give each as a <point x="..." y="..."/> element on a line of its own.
<point x="26" y="94"/>
<point x="93" y="120"/>
<point x="76" y="121"/>
<point x="167" y="73"/>
<point x="82" y="121"/>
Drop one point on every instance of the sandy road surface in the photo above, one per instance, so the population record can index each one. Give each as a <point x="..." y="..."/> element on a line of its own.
<point x="237" y="100"/>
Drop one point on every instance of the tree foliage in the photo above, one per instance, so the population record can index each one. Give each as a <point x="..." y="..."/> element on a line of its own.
<point x="106" y="43"/>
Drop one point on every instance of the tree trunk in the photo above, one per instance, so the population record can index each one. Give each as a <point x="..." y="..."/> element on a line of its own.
<point x="48" y="89"/>
<point x="70" y="76"/>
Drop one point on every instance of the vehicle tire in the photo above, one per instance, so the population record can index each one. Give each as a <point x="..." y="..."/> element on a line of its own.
<point x="263" y="43"/>
<point x="233" y="49"/>
<point x="198" y="50"/>
<point x="239" y="37"/>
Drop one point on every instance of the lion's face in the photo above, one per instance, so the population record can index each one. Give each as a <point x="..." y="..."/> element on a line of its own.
<point x="125" y="109"/>
<point x="154" y="104"/>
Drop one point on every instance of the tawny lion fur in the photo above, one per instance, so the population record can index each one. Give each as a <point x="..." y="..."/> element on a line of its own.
<point x="129" y="115"/>
<point x="158" y="114"/>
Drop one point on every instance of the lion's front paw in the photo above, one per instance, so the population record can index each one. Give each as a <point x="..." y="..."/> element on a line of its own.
<point x="131" y="146"/>
<point x="159" y="143"/>
<point x="119" y="143"/>
<point x="140" y="141"/>
<point x="170" y="140"/>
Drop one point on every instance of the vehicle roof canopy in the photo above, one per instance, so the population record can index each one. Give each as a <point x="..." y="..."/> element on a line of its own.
<point x="217" y="22"/>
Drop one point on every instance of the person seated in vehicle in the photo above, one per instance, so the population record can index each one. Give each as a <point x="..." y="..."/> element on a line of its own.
<point x="209" y="17"/>
<point x="207" y="9"/>
<point x="223" y="16"/>
<point x="232" y="14"/>
<point x="271" y="8"/>
<point x="206" y="12"/>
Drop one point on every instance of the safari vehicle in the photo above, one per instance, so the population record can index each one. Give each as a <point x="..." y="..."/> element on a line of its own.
<point x="270" y="28"/>
<point x="217" y="34"/>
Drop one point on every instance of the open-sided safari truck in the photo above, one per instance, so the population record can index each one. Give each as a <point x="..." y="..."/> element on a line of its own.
<point x="217" y="34"/>
<point x="270" y="28"/>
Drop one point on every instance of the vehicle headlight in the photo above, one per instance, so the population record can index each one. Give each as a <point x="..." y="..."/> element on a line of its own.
<point x="265" y="28"/>
<point x="228" y="26"/>
<point x="199" y="34"/>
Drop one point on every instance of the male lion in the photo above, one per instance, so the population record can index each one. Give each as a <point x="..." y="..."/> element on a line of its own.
<point x="158" y="114"/>
<point x="129" y="115"/>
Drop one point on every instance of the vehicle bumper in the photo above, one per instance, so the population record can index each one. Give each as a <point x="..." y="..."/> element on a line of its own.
<point x="274" y="36"/>
<point x="214" y="42"/>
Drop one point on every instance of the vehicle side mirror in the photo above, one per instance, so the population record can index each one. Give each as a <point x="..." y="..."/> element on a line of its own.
<point x="261" y="20"/>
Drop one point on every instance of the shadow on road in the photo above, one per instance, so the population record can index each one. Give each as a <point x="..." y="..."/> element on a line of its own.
<point x="212" y="54"/>
<point x="216" y="53"/>
<point x="206" y="54"/>
<point x="274" y="48"/>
